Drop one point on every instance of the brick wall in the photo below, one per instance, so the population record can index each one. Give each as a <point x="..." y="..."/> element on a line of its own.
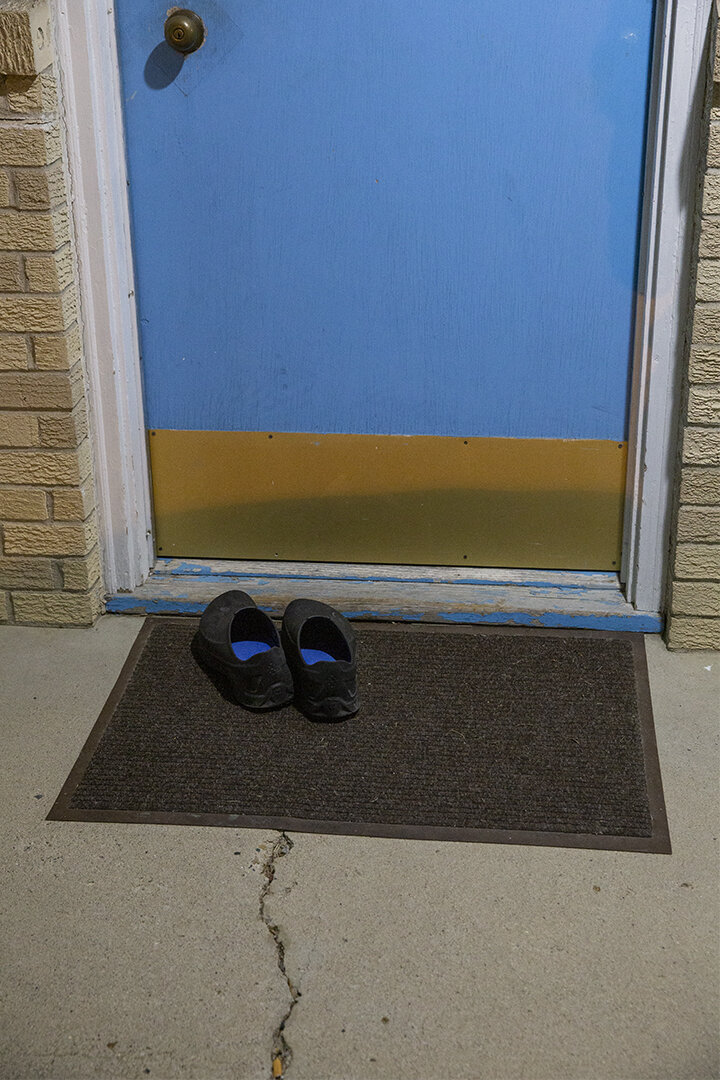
<point x="49" y="560"/>
<point x="694" y="594"/>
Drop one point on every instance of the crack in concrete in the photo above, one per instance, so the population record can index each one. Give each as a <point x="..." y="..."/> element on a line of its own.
<point x="281" y="1053"/>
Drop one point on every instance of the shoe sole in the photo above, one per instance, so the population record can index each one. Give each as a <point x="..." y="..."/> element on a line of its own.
<point x="329" y="708"/>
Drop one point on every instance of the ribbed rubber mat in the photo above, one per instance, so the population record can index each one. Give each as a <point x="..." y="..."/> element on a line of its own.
<point x="465" y="733"/>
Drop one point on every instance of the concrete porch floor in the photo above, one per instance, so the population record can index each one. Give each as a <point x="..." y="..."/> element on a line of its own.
<point x="134" y="951"/>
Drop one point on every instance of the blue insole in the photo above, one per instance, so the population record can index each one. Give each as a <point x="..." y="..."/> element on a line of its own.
<point x="314" y="656"/>
<point x="245" y="649"/>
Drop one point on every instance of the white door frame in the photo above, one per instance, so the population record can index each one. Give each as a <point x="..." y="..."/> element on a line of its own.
<point x="92" y="103"/>
<point x="677" y="96"/>
<point x="92" y="100"/>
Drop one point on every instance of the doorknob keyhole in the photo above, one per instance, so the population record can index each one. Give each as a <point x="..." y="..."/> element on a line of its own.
<point x="184" y="30"/>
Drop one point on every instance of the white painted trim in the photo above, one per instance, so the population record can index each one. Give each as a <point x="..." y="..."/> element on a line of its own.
<point x="671" y="177"/>
<point x="88" y="59"/>
<point x="92" y="103"/>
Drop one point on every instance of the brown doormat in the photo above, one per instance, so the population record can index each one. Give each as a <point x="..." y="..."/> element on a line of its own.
<point x="488" y="734"/>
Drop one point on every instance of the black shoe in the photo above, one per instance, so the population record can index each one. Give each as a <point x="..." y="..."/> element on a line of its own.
<point x="320" y="647"/>
<point x="238" y="640"/>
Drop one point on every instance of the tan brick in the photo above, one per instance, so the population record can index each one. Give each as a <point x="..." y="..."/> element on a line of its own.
<point x="699" y="524"/>
<point x="24" y="94"/>
<point x="68" y="429"/>
<point x="81" y="574"/>
<point x="5" y="110"/>
<point x="704" y="364"/>
<point x="708" y="280"/>
<point x="13" y="352"/>
<point x="40" y="189"/>
<point x="701" y="446"/>
<point x="29" y="146"/>
<point x="693" y="633"/>
<point x="704" y="405"/>
<point x="58" y="608"/>
<point x="54" y="539"/>
<point x="18" y="429"/>
<point x="37" y="313"/>
<point x="711" y="193"/>
<point x="706" y="324"/>
<point x="74" y="504"/>
<point x="53" y="468"/>
<point x="25" y="38"/>
<point x="697" y="561"/>
<point x="11" y="276"/>
<point x="713" y="155"/>
<point x="707" y="286"/>
<point x="37" y="390"/>
<point x="4" y="188"/>
<point x="58" y="353"/>
<point x="696" y="598"/>
<point x="4" y="607"/>
<point x="23" y="504"/>
<point x="25" y="573"/>
<point x="700" y="485"/>
<point x="24" y="230"/>
<point x="33" y="313"/>
<point x="710" y="238"/>
<point x="49" y="273"/>
<point x="76" y="375"/>
<point x="12" y="86"/>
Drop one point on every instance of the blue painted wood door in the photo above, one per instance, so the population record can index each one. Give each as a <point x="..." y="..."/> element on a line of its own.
<point x="386" y="218"/>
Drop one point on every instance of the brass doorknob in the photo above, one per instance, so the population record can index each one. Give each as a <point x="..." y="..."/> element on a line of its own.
<point x="184" y="30"/>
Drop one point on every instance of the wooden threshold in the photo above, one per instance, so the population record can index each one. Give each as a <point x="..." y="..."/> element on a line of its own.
<point x="445" y="595"/>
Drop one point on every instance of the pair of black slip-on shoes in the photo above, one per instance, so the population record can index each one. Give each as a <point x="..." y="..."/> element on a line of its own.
<point x="312" y="661"/>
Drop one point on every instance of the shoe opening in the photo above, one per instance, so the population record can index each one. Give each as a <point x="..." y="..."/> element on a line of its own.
<point x="321" y="640"/>
<point x="252" y="633"/>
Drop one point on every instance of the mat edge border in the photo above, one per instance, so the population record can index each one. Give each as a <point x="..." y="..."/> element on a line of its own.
<point x="657" y="843"/>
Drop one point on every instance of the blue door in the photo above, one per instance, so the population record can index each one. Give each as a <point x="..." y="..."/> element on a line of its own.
<point x="386" y="257"/>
